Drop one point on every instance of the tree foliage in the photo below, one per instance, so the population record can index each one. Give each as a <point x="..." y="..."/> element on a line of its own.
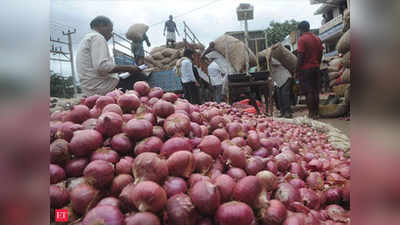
<point x="60" y="86"/>
<point x="277" y="32"/>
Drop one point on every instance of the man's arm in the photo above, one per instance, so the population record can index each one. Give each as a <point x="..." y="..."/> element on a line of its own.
<point x="165" y="27"/>
<point x="147" y="40"/>
<point x="208" y="50"/>
<point x="176" y="28"/>
<point x="123" y="69"/>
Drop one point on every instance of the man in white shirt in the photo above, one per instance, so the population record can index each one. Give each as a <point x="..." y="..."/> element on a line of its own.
<point x="96" y="68"/>
<point x="214" y="71"/>
<point x="189" y="82"/>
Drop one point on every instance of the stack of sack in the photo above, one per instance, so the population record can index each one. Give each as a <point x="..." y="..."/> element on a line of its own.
<point x="163" y="58"/>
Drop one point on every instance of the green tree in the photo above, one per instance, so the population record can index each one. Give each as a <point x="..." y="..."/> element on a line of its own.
<point x="277" y="32"/>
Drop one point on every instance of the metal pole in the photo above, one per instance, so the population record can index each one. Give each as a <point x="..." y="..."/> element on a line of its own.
<point x="246" y="37"/>
<point x="72" y="62"/>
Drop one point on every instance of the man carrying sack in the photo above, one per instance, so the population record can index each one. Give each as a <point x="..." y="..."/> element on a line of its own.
<point x="308" y="67"/>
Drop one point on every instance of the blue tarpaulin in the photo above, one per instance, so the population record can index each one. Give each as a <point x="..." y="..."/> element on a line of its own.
<point x="167" y="80"/>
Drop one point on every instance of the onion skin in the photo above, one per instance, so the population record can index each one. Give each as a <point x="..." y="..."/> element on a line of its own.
<point x="138" y="129"/>
<point x="177" y="125"/>
<point x="109" y="215"/>
<point x="142" y="88"/>
<point x="254" y="165"/>
<point x="146" y="116"/>
<point x="106" y="154"/>
<point x="181" y="211"/>
<point x="211" y="145"/>
<point x="112" y="201"/>
<point x="57" y="174"/>
<point x="59" y="196"/>
<point x="239" y="141"/>
<point x="89" y="124"/>
<point x="221" y="133"/>
<point x="148" y="166"/>
<point x="170" y="97"/>
<point x="148" y="196"/>
<point x="77" y="114"/>
<point x="128" y="102"/>
<point x="235" y="157"/>
<point x="156" y="92"/>
<point x="59" y="152"/>
<point x="275" y="214"/>
<point x="217" y="122"/>
<point x="174" y="185"/>
<point x="121" y="143"/>
<point x="102" y="101"/>
<point x="84" y="142"/>
<point x="124" y="166"/>
<point x="206" y="197"/>
<point x="175" y="144"/>
<point x="181" y="164"/>
<point x="297" y="183"/>
<point x="295" y="219"/>
<point x="262" y="152"/>
<point x="159" y="132"/>
<point x="112" y="108"/>
<point x="287" y="194"/>
<point x="196" y="117"/>
<point x="268" y="180"/>
<point x="315" y="181"/>
<point x="333" y="195"/>
<point x="203" y="162"/>
<point x="83" y="198"/>
<point x="236" y="173"/>
<point x="119" y="182"/>
<point x="163" y="108"/>
<point x="75" y="167"/>
<point x="151" y="144"/>
<point x="247" y="190"/>
<point x="142" y="218"/>
<point x="66" y="130"/>
<point x="234" y="213"/>
<point x="271" y="166"/>
<point x="100" y="173"/>
<point x="195" y="130"/>
<point x="109" y="124"/>
<point x="296" y="168"/>
<point x="226" y="186"/>
<point x="90" y="101"/>
<point x="336" y="213"/>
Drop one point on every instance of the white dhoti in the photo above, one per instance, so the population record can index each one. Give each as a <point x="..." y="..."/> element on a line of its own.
<point x="171" y="36"/>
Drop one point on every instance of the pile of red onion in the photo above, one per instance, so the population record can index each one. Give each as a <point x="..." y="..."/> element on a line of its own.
<point x="149" y="157"/>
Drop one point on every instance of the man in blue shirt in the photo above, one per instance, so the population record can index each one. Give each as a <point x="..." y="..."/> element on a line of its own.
<point x="170" y="26"/>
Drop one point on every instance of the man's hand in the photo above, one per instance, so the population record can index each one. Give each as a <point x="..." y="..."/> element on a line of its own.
<point x="197" y="84"/>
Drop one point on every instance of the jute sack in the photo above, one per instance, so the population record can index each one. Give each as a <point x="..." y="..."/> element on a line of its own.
<point x="336" y="63"/>
<point x="346" y="76"/>
<point x="333" y="75"/>
<point x="340" y="89"/>
<point x="234" y="51"/>
<point x="157" y="56"/>
<point x="343" y="46"/>
<point x="157" y="49"/>
<point x="347" y="60"/>
<point x="346" y="20"/>
<point x="332" y="110"/>
<point x="179" y="45"/>
<point x="169" y="52"/>
<point x="136" y="31"/>
<point x="166" y="61"/>
<point x="284" y="56"/>
<point x="151" y="62"/>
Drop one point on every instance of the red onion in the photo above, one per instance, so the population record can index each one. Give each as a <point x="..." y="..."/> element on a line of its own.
<point x="333" y="195"/>
<point x="335" y="179"/>
<point x="102" y="101"/>
<point x="211" y="145"/>
<point x="204" y="130"/>
<point x="127" y="117"/>
<point x="235" y="130"/>
<point x="195" y="130"/>
<point x="254" y="165"/>
<point x="74" y="182"/>
<point x="83" y="198"/>
<point x="59" y="196"/>
<point x="163" y="108"/>
<point x="91" y="101"/>
<point x="275" y="214"/>
<point x="203" y="162"/>
<point x="315" y="181"/>
<point x="153" y="101"/>
<point x="128" y="102"/>
<point x="75" y="167"/>
<point x="57" y="174"/>
<point x="217" y="122"/>
<point x="170" y="97"/>
<point x="308" y="156"/>
<point x="66" y="130"/>
<point x="112" y="201"/>
<point x="59" y="153"/>
<point x="297" y="183"/>
<point x="175" y="144"/>
<point x="235" y="157"/>
<point x="181" y="164"/>
<point x="234" y="213"/>
<point x="174" y="185"/>
<point x="99" y="172"/>
<point x="296" y="169"/>
<point x="226" y="186"/>
<point x="89" y="124"/>
<point x="268" y="180"/>
<point x="196" y="177"/>
<point x="206" y="197"/>
<point x="156" y="92"/>
<point x="195" y="142"/>
<point x="54" y="126"/>
<point x="151" y="144"/>
<point x="109" y="124"/>
<point x="254" y="141"/>
<point x="124" y="166"/>
<point x="94" y="112"/>
<point x="106" y="154"/>
<point x="205" y="221"/>
<point x="261" y="152"/>
<point x="295" y="219"/>
<point x="236" y="173"/>
<point x="142" y="218"/>
<point x="58" y="116"/>
<point x="144" y="100"/>
<point x="142" y="88"/>
<point x="239" y="141"/>
<point x="159" y="132"/>
<point x="247" y="190"/>
<point x="221" y="133"/>
<point x="77" y="114"/>
<point x="177" y="124"/>
<point x="346" y="192"/>
<point x="84" y="142"/>
<point x="344" y="170"/>
<point x="196" y="117"/>
<point x="185" y="106"/>
<point x="115" y="94"/>
<point x="148" y="196"/>
<point x="121" y="143"/>
<point x="148" y="166"/>
<point x="181" y="211"/>
<point x="282" y="162"/>
<point x="209" y="114"/>
<point x="138" y="129"/>
<point x="287" y="194"/>
<point x="268" y="143"/>
<point x="109" y="215"/>
<point x="294" y="146"/>
<point x="337" y="213"/>
<point x="119" y="182"/>
<point x="112" y="108"/>
<point x="143" y="109"/>
<point x="315" y="165"/>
